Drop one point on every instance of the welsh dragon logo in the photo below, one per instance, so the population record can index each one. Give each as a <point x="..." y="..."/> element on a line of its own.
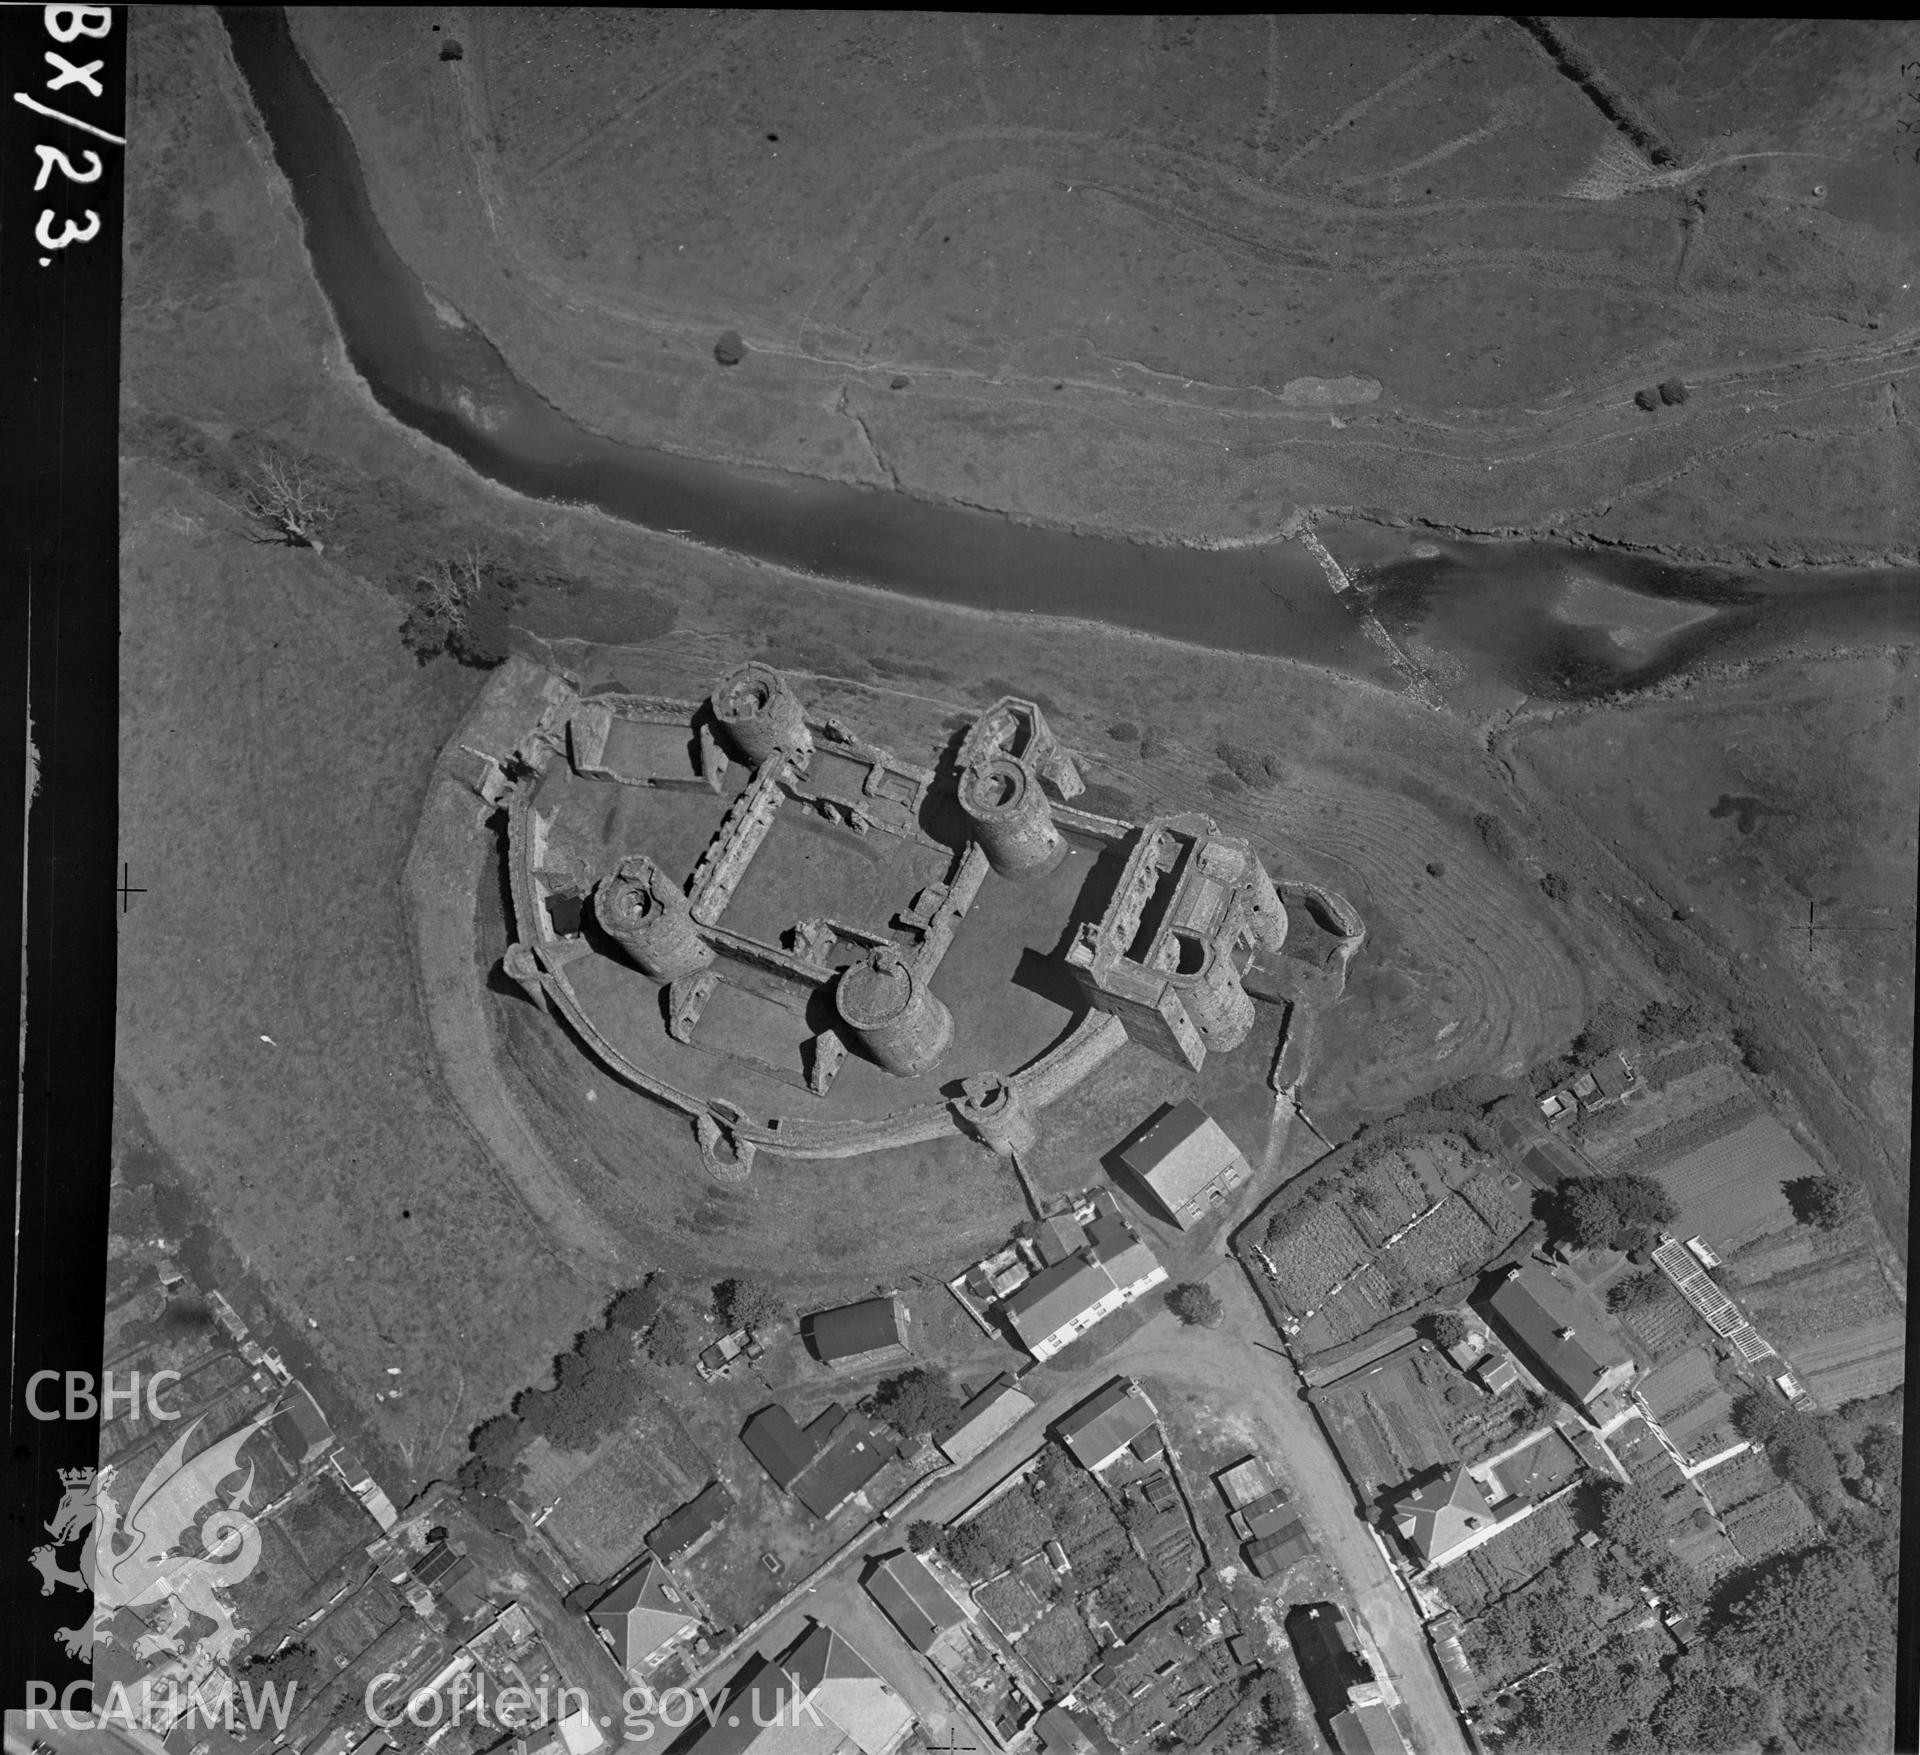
<point x="138" y="1557"/>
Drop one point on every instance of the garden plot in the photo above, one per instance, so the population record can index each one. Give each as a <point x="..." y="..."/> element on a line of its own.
<point x="1699" y="1543"/>
<point x="1679" y="1383"/>
<point x="1687" y="1399"/>
<point x="1866" y="1360"/>
<point x="1728" y="1189"/>
<point x="1448" y="1242"/>
<point x="1821" y="1302"/>
<point x="1316" y="1251"/>
<point x="1387" y="1424"/>
<point x="1383" y="1197"/>
<point x="1665" y="1326"/>
<point x="1517" y="1555"/>
<point x="1771" y="1523"/>
<point x="1009" y="1605"/>
<point x="1501" y="1200"/>
<point x="1368" y="1298"/>
<point x="1669" y="1118"/>
<point x="1735" y="1483"/>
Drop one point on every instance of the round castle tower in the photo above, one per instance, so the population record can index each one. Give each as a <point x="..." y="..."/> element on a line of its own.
<point x="898" y="1018"/>
<point x="646" y="913"/>
<point x="1011" y="817"/>
<point x="760" y="715"/>
<point x="993" y="1111"/>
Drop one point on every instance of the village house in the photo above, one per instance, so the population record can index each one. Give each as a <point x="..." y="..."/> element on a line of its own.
<point x="1184" y="1165"/>
<point x="1062" y="1302"/>
<point x="1569" y="1345"/>
<point x="1104" y="1427"/>
<point x="1443" y="1517"/>
<point x="820" y="1697"/>
<point x="643" y="1618"/>
<point x="822" y="1464"/>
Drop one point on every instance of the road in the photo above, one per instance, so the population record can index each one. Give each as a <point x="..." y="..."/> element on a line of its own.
<point x="1262" y="1385"/>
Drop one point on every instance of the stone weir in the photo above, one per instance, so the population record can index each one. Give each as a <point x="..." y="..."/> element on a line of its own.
<point x="813" y="946"/>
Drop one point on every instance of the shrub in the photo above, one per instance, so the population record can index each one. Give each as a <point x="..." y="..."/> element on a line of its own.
<point x="1496" y="837"/>
<point x="1636" y="1292"/>
<point x="460" y="607"/>
<point x="730" y="350"/>
<point x="1673" y="391"/>
<point x="1556" y="887"/>
<point x="1611" y="1026"/>
<point x="293" y="1667"/>
<point x="750" y="1304"/>
<point x="636" y="1307"/>
<point x="1249" y="766"/>
<point x="1124" y="731"/>
<point x="1646" y="401"/>
<point x="669" y="1341"/>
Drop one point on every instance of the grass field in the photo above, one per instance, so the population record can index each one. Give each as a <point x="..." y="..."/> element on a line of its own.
<point x="275" y="742"/>
<point x="908" y="244"/>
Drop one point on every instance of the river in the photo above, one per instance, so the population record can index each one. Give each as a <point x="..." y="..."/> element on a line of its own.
<point x="1513" y="617"/>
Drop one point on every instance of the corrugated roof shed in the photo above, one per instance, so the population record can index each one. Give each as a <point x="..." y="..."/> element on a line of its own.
<point x="870" y="1326"/>
<point x="858" y="1451"/>
<point x="686" y="1528"/>
<point x="996" y="1409"/>
<point x="782" y="1446"/>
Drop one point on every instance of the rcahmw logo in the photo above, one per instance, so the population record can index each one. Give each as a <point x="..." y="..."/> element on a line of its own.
<point x="162" y="1709"/>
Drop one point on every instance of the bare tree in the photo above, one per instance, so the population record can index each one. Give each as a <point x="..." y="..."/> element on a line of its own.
<point x="448" y="587"/>
<point x="282" y="496"/>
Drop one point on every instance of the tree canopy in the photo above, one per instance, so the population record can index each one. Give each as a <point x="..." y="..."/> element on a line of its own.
<point x="1826" y="1202"/>
<point x="1609" y="1212"/>
<point x="1196" y="1305"/>
<point x="915" y="1403"/>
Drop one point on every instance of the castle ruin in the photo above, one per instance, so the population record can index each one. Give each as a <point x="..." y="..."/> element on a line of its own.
<point x="811" y="945"/>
